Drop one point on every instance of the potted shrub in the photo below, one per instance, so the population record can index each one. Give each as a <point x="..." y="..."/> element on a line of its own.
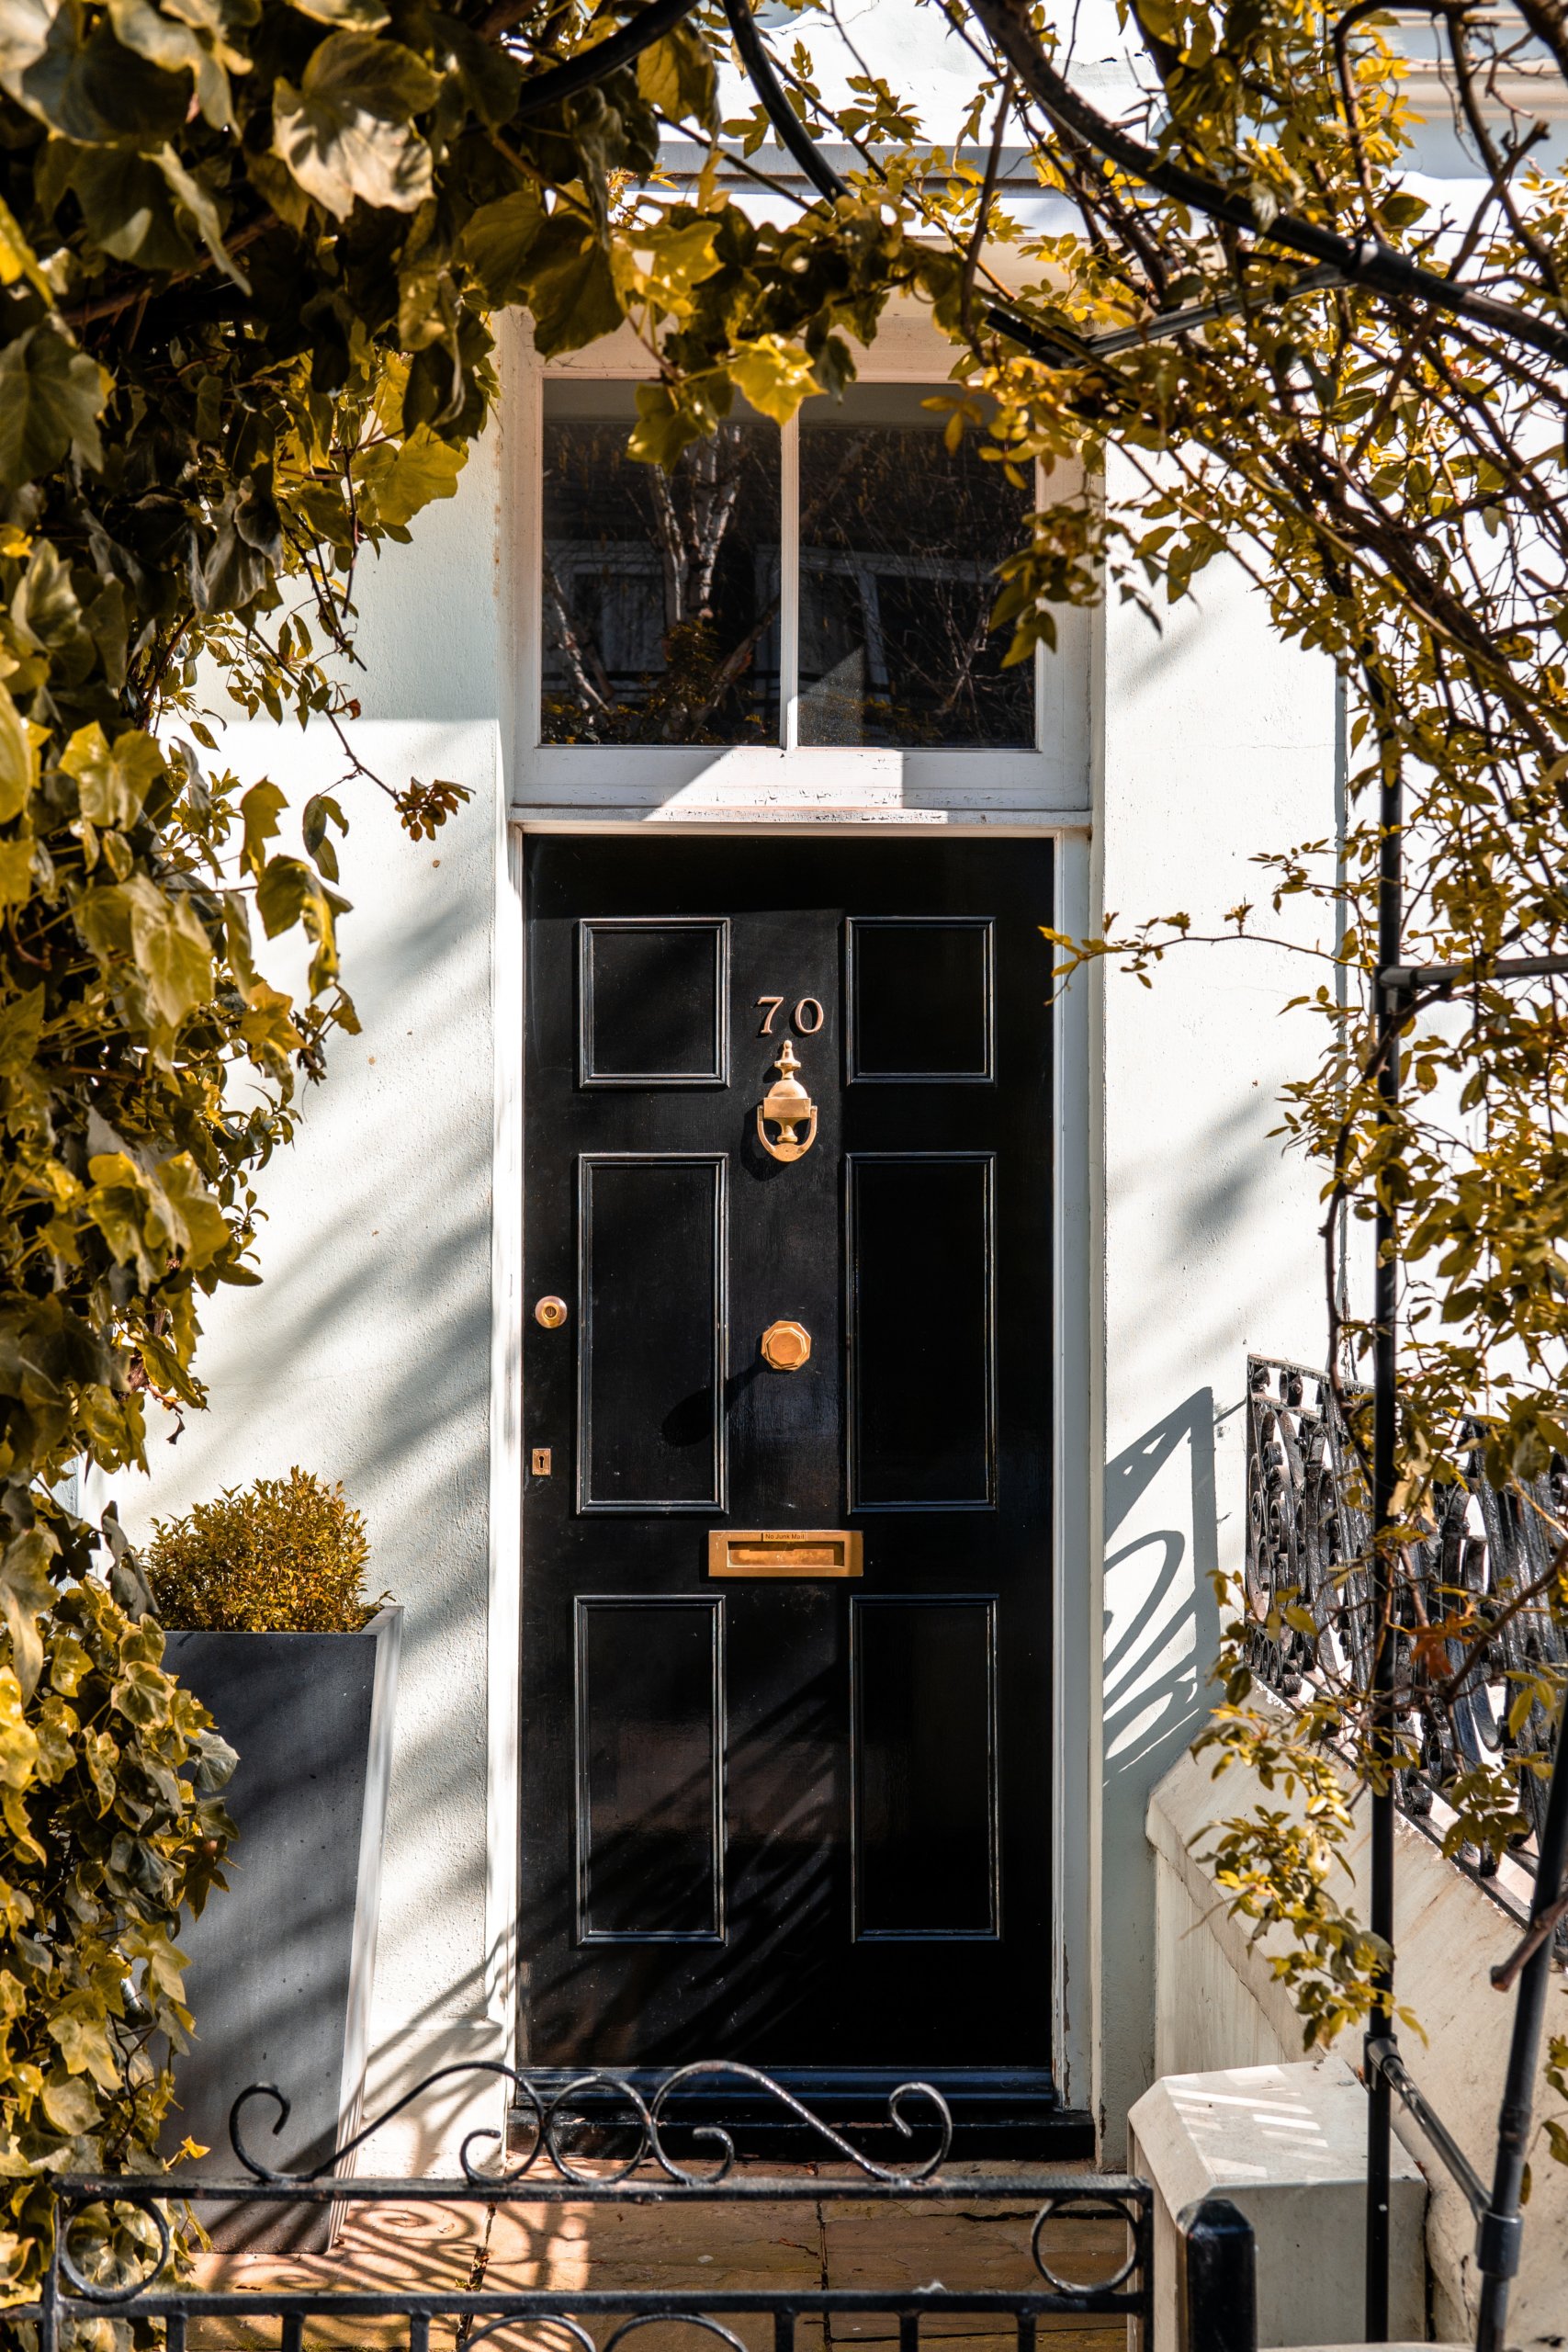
<point x="262" y="1596"/>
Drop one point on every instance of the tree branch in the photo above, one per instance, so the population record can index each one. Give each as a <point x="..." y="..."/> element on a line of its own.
<point x="1360" y="261"/>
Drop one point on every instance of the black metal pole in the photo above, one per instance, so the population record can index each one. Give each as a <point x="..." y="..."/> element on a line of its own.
<point x="1391" y="1003"/>
<point x="1498" y="2239"/>
<point x="1217" y="2288"/>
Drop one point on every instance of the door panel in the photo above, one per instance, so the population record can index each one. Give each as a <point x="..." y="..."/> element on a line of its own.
<point x="652" y="1260"/>
<point x="920" y="999"/>
<point x="651" y="1769"/>
<point x="925" y="1767"/>
<point x="654" y="1000"/>
<point x="921" y="1351"/>
<point x="798" y="1820"/>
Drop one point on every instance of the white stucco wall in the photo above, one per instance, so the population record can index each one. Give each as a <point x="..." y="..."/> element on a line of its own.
<point x="365" y="1354"/>
<point x="1216" y="744"/>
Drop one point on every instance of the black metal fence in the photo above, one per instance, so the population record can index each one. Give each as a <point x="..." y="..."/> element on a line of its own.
<point x="117" y="2250"/>
<point x="1308" y="1531"/>
<point x="1315" y="1621"/>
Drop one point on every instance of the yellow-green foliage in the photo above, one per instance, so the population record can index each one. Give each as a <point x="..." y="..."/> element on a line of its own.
<point x="286" y="1556"/>
<point x="110" y="1824"/>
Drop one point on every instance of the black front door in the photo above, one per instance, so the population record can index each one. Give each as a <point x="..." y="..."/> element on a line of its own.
<point x="787" y="1553"/>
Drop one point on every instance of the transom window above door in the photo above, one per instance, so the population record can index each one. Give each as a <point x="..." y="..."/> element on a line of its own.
<point x="829" y="585"/>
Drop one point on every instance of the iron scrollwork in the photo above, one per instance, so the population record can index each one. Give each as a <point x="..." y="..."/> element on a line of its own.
<point x="550" y="2169"/>
<point x="1309" y="1605"/>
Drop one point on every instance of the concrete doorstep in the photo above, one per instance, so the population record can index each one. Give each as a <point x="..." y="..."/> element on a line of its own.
<point x="807" y="2245"/>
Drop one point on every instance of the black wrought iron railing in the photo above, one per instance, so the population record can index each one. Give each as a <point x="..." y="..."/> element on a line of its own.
<point x="602" y="2142"/>
<point x="1324" y="1612"/>
<point x="1310" y="1602"/>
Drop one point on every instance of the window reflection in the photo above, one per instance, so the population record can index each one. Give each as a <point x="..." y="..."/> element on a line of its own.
<point x="661" y="589"/>
<point x="899" y="541"/>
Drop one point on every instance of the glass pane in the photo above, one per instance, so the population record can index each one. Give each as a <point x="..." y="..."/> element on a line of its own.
<point x="661" y="589"/>
<point x="899" y="541"/>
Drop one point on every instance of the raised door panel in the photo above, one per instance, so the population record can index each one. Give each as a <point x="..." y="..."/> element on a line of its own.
<point x="653" y="1001"/>
<point x="919" y="994"/>
<point x="922" y="1330"/>
<point x="924" y="1767"/>
<point x="649" y="1676"/>
<point x="651" y="1268"/>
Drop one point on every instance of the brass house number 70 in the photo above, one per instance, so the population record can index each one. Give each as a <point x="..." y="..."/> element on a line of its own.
<point x="807" y="1016"/>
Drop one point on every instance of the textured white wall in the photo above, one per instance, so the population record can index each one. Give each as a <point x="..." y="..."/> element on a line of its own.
<point x="1217" y="743"/>
<point x="366" y="1355"/>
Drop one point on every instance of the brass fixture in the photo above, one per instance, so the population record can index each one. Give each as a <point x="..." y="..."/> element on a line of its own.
<point x="550" y="1312"/>
<point x="786" y="1346"/>
<point x="783" y="1552"/>
<point x="787" y="1105"/>
<point x="539" y="1462"/>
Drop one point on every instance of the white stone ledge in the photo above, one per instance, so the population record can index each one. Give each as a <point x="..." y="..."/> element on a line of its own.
<point x="1219" y="2004"/>
<point x="1287" y="2145"/>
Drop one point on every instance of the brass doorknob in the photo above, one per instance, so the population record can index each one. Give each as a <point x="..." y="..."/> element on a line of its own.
<point x="551" y="1313"/>
<point x="786" y="1346"/>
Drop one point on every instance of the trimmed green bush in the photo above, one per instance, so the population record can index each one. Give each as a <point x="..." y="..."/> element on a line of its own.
<point x="284" y="1555"/>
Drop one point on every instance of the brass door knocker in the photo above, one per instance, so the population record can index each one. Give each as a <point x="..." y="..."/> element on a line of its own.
<point x="785" y="1105"/>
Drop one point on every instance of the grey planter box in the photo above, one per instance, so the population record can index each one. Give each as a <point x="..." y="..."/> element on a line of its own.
<point x="282" y="1966"/>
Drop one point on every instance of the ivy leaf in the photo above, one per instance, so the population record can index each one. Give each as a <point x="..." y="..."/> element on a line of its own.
<point x="675" y="76"/>
<point x="193" y="1218"/>
<point x="17" y="258"/>
<point x="320" y="811"/>
<point x="289" y="892"/>
<point x="71" y="2105"/>
<point x="21" y="1024"/>
<point x="18" y="761"/>
<point x="26" y="1593"/>
<point x="216" y="1762"/>
<point x="176" y="48"/>
<point x="772" y="375"/>
<point x="346" y="133"/>
<point x="267" y="1023"/>
<point x="119" y="1204"/>
<point x="664" y="268"/>
<point x="16" y="866"/>
<point x="260" y="808"/>
<point x="488" y="78"/>
<point x="81" y="2035"/>
<point x="664" y="426"/>
<point x="160" y="937"/>
<point x="112" y="785"/>
<point x="25" y="29"/>
<point x="203" y="211"/>
<point x="45" y="606"/>
<point x="171" y="951"/>
<point x="497" y="239"/>
<point x="51" y="398"/>
<point x="355" y="16"/>
<point x="233" y="571"/>
<point x="68" y="69"/>
<point x="572" y="291"/>
<point x="287" y="887"/>
<point x="407" y="477"/>
<point x="18" y="1741"/>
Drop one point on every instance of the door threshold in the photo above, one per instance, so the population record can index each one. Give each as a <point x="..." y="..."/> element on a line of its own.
<point x="997" y="2112"/>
